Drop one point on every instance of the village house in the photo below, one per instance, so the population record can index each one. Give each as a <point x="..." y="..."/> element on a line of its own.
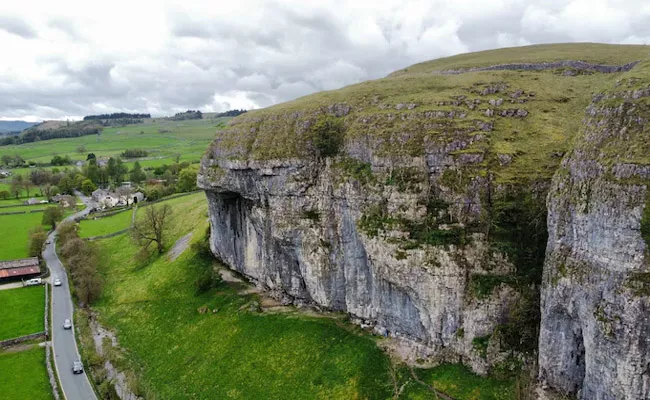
<point x="108" y="199"/>
<point x="23" y="268"/>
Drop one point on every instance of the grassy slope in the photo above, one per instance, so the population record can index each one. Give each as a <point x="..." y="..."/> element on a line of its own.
<point x="14" y="230"/>
<point x="233" y="353"/>
<point x="105" y="226"/>
<point x="23" y="375"/>
<point x="590" y="52"/>
<point x="190" y="138"/>
<point x="22" y="312"/>
<point x="555" y="110"/>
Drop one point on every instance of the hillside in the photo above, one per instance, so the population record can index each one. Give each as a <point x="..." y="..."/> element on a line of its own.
<point x="14" y="126"/>
<point x="418" y="204"/>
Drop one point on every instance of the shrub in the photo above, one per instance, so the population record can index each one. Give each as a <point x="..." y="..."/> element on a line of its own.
<point x="327" y="136"/>
<point x="645" y="222"/>
<point x="480" y="344"/>
<point x="134" y="153"/>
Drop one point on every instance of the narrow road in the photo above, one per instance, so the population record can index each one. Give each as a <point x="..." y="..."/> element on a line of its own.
<point x="75" y="387"/>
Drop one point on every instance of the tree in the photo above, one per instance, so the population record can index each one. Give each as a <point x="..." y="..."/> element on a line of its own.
<point x="88" y="187"/>
<point x="17" y="185"/>
<point x="91" y="156"/>
<point x="152" y="227"/>
<point x="81" y="149"/>
<point x="37" y="238"/>
<point x="66" y="231"/>
<point x="177" y="157"/>
<point x="49" y="191"/>
<point x="40" y="177"/>
<point x="122" y="170"/>
<point x="137" y="175"/>
<point x="4" y="194"/>
<point x="66" y="185"/>
<point x="91" y="170"/>
<point x="28" y="185"/>
<point x="52" y="215"/>
<point x="124" y="192"/>
<point x="87" y="282"/>
<point x="187" y="180"/>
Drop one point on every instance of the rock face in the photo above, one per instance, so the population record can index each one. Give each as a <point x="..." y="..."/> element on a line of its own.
<point x="294" y="230"/>
<point x="425" y="216"/>
<point x="595" y="326"/>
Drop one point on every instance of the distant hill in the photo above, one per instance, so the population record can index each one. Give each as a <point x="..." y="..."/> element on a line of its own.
<point x="48" y="130"/>
<point x="14" y="126"/>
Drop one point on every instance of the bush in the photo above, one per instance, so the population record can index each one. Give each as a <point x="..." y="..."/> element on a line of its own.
<point x="134" y="153"/>
<point x="645" y="222"/>
<point x="58" y="160"/>
<point x="37" y="238"/>
<point x="327" y="136"/>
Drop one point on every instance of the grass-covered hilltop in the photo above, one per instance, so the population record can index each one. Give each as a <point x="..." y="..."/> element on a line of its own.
<point x="419" y="204"/>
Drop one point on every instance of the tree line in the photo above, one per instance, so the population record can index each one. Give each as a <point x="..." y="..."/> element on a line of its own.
<point x="230" y="113"/>
<point x="120" y="115"/>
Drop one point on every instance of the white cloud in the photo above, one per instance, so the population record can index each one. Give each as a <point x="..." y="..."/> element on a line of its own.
<point x="71" y="58"/>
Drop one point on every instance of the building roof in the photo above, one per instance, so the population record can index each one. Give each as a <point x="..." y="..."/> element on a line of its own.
<point x="23" y="262"/>
<point x="16" y="272"/>
<point x="21" y="267"/>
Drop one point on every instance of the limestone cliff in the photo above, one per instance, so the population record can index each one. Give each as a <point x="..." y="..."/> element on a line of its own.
<point x="595" y="327"/>
<point x="417" y="203"/>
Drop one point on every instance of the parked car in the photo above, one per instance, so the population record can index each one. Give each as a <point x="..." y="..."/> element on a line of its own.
<point x="77" y="367"/>
<point x="57" y="282"/>
<point x="33" y="282"/>
<point x="67" y="324"/>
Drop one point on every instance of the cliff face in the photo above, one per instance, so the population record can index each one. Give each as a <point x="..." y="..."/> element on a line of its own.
<point x="595" y="326"/>
<point x="417" y="203"/>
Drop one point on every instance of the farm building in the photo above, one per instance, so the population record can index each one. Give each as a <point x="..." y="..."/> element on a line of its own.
<point x="23" y="268"/>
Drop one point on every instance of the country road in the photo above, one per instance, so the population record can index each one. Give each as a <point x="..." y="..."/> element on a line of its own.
<point x="75" y="387"/>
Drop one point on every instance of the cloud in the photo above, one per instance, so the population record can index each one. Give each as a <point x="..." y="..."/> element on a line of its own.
<point x="17" y="26"/>
<point x="64" y="59"/>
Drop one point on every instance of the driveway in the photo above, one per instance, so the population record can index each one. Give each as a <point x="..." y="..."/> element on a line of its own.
<point x="75" y="387"/>
<point x="13" y="285"/>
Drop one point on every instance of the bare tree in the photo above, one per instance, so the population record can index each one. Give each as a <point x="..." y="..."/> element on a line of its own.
<point x="152" y="227"/>
<point x="125" y="192"/>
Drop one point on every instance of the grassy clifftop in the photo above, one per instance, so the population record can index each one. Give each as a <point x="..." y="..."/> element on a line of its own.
<point x="518" y="124"/>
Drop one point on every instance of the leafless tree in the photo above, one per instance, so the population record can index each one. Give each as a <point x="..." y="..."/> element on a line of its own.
<point x="152" y="226"/>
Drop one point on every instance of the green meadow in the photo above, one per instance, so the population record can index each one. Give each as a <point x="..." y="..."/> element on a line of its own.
<point x="23" y="375"/>
<point x="106" y="225"/>
<point x="22" y="312"/>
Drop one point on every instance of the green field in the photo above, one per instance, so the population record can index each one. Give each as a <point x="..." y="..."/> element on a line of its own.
<point x="105" y="226"/>
<point x="22" y="312"/>
<point x="23" y="375"/>
<point x="161" y="138"/>
<point x="14" y="230"/>
<point x="236" y="353"/>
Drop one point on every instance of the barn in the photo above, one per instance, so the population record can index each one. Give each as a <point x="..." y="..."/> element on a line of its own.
<point x="24" y="268"/>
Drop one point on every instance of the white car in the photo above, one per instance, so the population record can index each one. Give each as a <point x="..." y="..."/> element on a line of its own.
<point x="77" y="367"/>
<point x="33" y="282"/>
<point x="57" y="282"/>
<point x="67" y="324"/>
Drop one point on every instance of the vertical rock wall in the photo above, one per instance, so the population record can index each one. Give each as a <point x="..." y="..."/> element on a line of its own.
<point x="595" y="326"/>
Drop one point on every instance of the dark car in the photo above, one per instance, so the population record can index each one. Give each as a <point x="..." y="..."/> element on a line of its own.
<point x="77" y="367"/>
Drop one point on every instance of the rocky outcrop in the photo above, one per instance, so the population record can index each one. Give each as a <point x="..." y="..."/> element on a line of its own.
<point x="595" y="325"/>
<point x="570" y="64"/>
<point x="424" y="217"/>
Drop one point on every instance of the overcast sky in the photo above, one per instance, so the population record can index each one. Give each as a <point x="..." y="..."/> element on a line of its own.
<point x="63" y="59"/>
